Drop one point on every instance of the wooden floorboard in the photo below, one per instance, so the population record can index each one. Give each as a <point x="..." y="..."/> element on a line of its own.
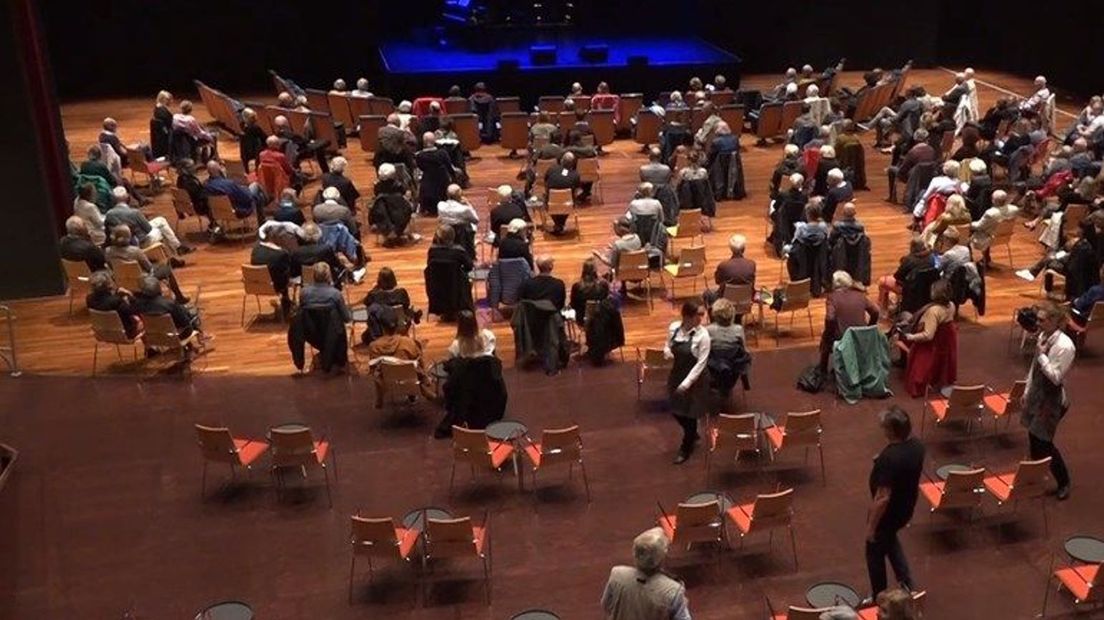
<point x="51" y="342"/>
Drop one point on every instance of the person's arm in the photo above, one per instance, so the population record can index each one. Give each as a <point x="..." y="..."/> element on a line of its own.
<point x="872" y="311"/>
<point x="928" y="324"/>
<point x="877" y="511"/>
<point x="829" y="309"/>
<point x="700" y="348"/>
<point x="1055" y="361"/>
<point x="346" y="314"/>
<point x="607" y="599"/>
<point x="680" y="607"/>
<point x="671" y="331"/>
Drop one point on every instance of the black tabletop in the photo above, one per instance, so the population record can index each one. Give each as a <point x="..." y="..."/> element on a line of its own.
<point x="506" y="430"/>
<point x="708" y="496"/>
<point x="831" y="593"/>
<point x="946" y="471"/>
<point x="535" y="614"/>
<point x="1086" y="549"/>
<point x="288" y="426"/>
<point x="413" y="519"/>
<point x="227" y="610"/>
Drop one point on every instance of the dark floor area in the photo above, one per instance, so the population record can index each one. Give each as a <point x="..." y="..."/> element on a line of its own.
<point x="104" y="513"/>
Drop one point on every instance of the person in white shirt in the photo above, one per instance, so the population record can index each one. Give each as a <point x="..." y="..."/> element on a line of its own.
<point x="1035" y="102"/>
<point x="971" y="93"/>
<point x="361" y="89"/>
<point x="339" y="87"/>
<point x="688" y="347"/>
<point x="456" y="210"/>
<point x="946" y="183"/>
<point x="471" y="341"/>
<point x="984" y="228"/>
<point x="644" y="205"/>
<point x="1045" y="402"/>
<point x="86" y="209"/>
<point x="405" y="113"/>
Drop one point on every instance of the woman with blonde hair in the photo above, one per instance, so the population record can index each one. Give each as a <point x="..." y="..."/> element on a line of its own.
<point x="956" y="214"/>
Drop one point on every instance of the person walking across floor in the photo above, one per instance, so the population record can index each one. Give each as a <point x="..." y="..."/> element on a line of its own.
<point x="688" y="347"/>
<point x="894" y="485"/>
<point x="1045" y="401"/>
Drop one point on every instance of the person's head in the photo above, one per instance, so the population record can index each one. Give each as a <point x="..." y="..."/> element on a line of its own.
<point x="285" y="100"/>
<point x="1051" y="317"/>
<point x="835" y="176"/>
<point x="676" y="97"/>
<point x="164" y="97"/>
<point x="101" y="282"/>
<point x="941" y="292"/>
<point x="1080" y="145"/>
<point x="568" y="160"/>
<point x="280" y="123"/>
<point x="544" y="118"/>
<point x="444" y="235"/>
<point x="87" y="192"/>
<point x="95" y="152"/>
<point x="394" y="119"/>
<point x="827" y="152"/>
<point x="109" y="124"/>
<point x="849" y="212"/>
<point x="1000" y="198"/>
<point x="895" y="604"/>
<point x="655" y="155"/>
<point x="454" y="91"/>
<point x="723" y="312"/>
<point x="895" y="423"/>
<point x="321" y="273"/>
<point x="720" y="82"/>
<point x="119" y="195"/>
<point x="950" y="168"/>
<point x="603" y="88"/>
<point x="287" y="197"/>
<point x="468" y="336"/>
<point x="791" y="151"/>
<point x="149" y="286"/>
<point x="920" y="135"/>
<point x="545" y="263"/>
<point x="338" y="165"/>
<point x="1040" y="82"/>
<point x="331" y="194"/>
<point x="956" y="206"/>
<point x="362" y="84"/>
<point x="692" y="313"/>
<point x="312" y="233"/>
<point x="589" y="274"/>
<point x="273" y="143"/>
<point x="917" y="247"/>
<point x="385" y="172"/>
<point x="841" y="280"/>
<point x="622" y="226"/>
<point x="806" y="70"/>
<point x="791" y="73"/>
<point x="849" y="126"/>
<point x="454" y="192"/>
<point x="339" y="84"/>
<point x="185" y="107"/>
<point x="76" y="227"/>
<point x="405" y="107"/>
<point x="120" y="236"/>
<point x="214" y="168"/>
<point x="249" y="116"/>
<point x="386" y="280"/>
<point x="969" y="73"/>
<point x="576" y="88"/>
<point x="723" y="129"/>
<point x="650" y="550"/>
<point x="479" y="87"/>
<point x="812" y="91"/>
<point x="797" y="181"/>
<point x="737" y="244"/>
<point x="960" y="78"/>
<point x="977" y="167"/>
<point x="813" y="211"/>
<point x="429" y="139"/>
<point x="646" y="190"/>
<point x="696" y="83"/>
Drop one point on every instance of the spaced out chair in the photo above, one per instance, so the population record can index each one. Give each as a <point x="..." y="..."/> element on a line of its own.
<point x="651" y="364"/>
<point x="691" y="523"/>
<point x="966" y="402"/>
<point x="735" y="432"/>
<point x="223" y="214"/>
<point x="138" y="163"/>
<point x="632" y="268"/>
<point x="1093" y="323"/>
<point x="77" y="274"/>
<point x="107" y="328"/>
<point x="515" y="132"/>
<point x="961" y="490"/>
<point x="297" y="448"/>
<point x="768" y="512"/>
<point x="690" y="266"/>
<point x="458" y="538"/>
<point x="742" y="297"/>
<point x="798" y="430"/>
<point x="1029" y="481"/>
<point x="161" y="334"/>
<point x="381" y="538"/>
<point x="1007" y="404"/>
<point x="558" y="446"/>
<point x="794" y="612"/>
<point x="1003" y="236"/>
<point x="478" y="450"/>
<point x="127" y="274"/>
<point x="368" y="132"/>
<point x="257" y="281"/>
<point x="589" y="173"/>
<point x="217" y="445"/>
<point x="1085" y="583"/>
<point x="540" y="169"/>
<point x="647" y="128"/>
<point x="183" y="207"/>
<point x="399" y="381"/>
<point x="688" y="227"/>
<point x="467" y="131"/>
<point x="561" y="202"/>
<point x="798" y="295"/>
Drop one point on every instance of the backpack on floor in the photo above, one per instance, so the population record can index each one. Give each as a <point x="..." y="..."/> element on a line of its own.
<point x="811" y="379"/>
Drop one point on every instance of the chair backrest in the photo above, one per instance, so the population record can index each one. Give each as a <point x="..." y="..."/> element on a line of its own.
<point x="733" y="115"/>
<point x="221" y="209"/>
<point x="655" y="358"/>
<point x="457" y="105"/>
<point x="471" y="446"/>
<point x="449" y="538"/>
<point x="601" y="122"/>
<point x="797" y="295"/>
<point x="772" y="509"/>
<point x="689" y="223"/>
<point x="374" y="536"/>
<point x="804" y="613"/>
<point x="325" y="130"/>
<point x="257" y="280"/>
<point x="961" y="489"/>
<point x="508" y="104"/>
<point x="369" y="132"/>
<point x="515" y="130"/>
<point x="633" y="266"/>
<point x="588" y="169"/>
<point x="358" y="107"/>
<point x="738" y="431"/>
<point x="317" y="100"/>
<point x="790" y="111"/>
<point x="77" y="273"/>
<point x="161" y="332"/>
<point x="561" y="445"/>
<point x="1030" y="479"/>
<point x="965" y="401"/>
<point x="628" y="105"/>
<point x="127" y="273"/>
<point x="292" y="447"/>
<point x="550" y="103"/>
<point x="691" y="261"/>
<point x="741" y="295"/>
<point x="107" y="326"/>
<point x="182" y="202"/>
<point x="803" y="428"/>
<point x="1075" y="213"/>
<point x="560" y="202"/>
<point x="1018" y="388"/>
<point x="647" y="127"/>
<point x="770" y="121"/>
<point x="467" y="130"/>
<point x="399" y="379"/>
<point x="341" y="109"/>
<point x="216" y="444"/>
<point x="1003" y="234"/>
<point x="698" y="522"/>
<point x="381" y="106"/>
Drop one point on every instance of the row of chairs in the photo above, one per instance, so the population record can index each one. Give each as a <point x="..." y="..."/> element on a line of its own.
<point x="965" y="488"/>
<point x="972" y="404"/>
<point x="465" y="125"/>
<point x="562" y="446"/>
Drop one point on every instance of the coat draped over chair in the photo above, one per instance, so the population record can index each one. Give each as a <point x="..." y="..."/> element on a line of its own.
<point x="323" y="328"/>
<point x="474" y="392"/>
<point x="539" y="332"/>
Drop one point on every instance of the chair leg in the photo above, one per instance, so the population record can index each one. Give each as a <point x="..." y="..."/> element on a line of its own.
<point x="244" y="298"/>
<point x="793" y="545"/>
<point x="326" y="473"/>
<point x="203" y="482"/>
<point x="823" y="472"/>
<point x="452" y="477"/>
<point x="586" y="482"/>
<point x="352" y="569"/>
<point x="70" y="301"/>
<point x="95" y="357"/>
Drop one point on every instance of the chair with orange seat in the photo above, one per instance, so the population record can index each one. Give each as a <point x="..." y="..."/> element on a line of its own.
<point x="738" y="433"/>
<point x="651" y="364"/>
<point x="558" y="446"/>
<point x="769" y="511"/>
<point x="296" y="448"/>
<point x="458" y="538"/>
<point x="478" y="450"/>
<point x="379" y="537"/>
<point x="966" y="402"/>
<point x="694" y="523"/>
<point x="962" y="490"/>
<point x="798" y="430"/>
<point x="217" y="445"/>
<point x="136" y="158"/>
<point x="1085" y="583"/>
<point x="1005" y="404"/>
<point x="1029" y="481"/>
<point x="794" y="612"/>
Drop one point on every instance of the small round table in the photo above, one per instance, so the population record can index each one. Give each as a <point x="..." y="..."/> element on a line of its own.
<point x="506" y="430"/>
<point x="703" y="497"/>
<point x="831" y="593"/>
<point x="1085" y="549"/>
<point x="226" y="610"/>
<point x="946" y="471"/>
<point x="415" y="519"/>
<point x="535" y="614"/>
<point x="288" y="427"/>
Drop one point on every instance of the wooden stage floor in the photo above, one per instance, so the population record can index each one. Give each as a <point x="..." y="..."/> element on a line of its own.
<point x="51" y="342"/>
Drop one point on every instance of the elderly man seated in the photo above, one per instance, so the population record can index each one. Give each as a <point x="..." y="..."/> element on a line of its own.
<point x="109" y="135"/>
<point x="336" y="178"/>
<point x="331" y="210"/>
<point x="986" y="227"/>
<point x="149" y="301"/>
<point x="120" y="248"/>
<point x="625" y="240"/>
<point x="244" y="200"/>
<point x="456" y="211"/>
<point x="299" y="146"/>
<point x="644" y="204"/>
<point x="1034" y="104"/>
<point x="105" y="296"/>
<point x="77" y="245"/>
<point x="544" y="286"/>
<point x="361" y="89"/>
<point x="273" y="155"/>
<point x="396" y="145"/>
<point x="312" y="251"/>
<point x="737" y="270"/>
<point x="322" y="292"/>
<point x="511" y="206"/>
<point x="147" y="231"/>
<point x="839" y="192"/>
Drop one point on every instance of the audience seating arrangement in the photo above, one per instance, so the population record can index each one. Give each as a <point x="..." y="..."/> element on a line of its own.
<point x="633" y="268"/>
<point x="798" y="430"/>
<point x="694" y="523"/>
<point x="769" y="512"/>
<point x="557" y="447"/>
<point x="735" y="432"/>
<point x="1005" y="404"/>
<point x="380" y="538"/>
<point x="295" y="448"/>
<point x="217" y="445"/>
<point x="257" y="281"/>
<point x="479" y="451"/>
<point x="107" y="328"/>
<point x="796" y="296"/>
<point x="963" y="490"/>
<point x="460" y="538"/>
<point x="689" y="266"/>
<point x="1028" y="481"/>
<point x="1084" y="582"/>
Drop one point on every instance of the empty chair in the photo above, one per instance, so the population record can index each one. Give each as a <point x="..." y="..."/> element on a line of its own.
<point x="796" y="296"/>
<point x="467" y="131"/>
<point x="341" y="110"/>
<point x="478" y="450"/>
<point x="368" y="132"/>
<point x="601" y="122"/>
<point x="459" y="538"/>
<point x="399" y="381"/>
<point x="633" y="268"/>
<point x="690" y="266"/>
<point x="768" y="124"/>
<point x="557" y="447"/>
<point x="733" y="432"/>
<point x="222" y="212"/>
<point x="379" y="538"/>
<point x="693" y="523"/>
<point x="1085" y="583"/>
<point x="961" y="490"/>
<point x="562" y="204"/>
<point x="1029" y="481"/>
<point x="966" y="403"/>
<point x="515" y="132"/>
<point x="742" y="297"/>
<point x="688" y="227"/>
<point x="77" y="275"/>
<point x="871" y="613"/>
<point x="589" y="173"/>
<point x="296" y="448"/>
<point x="108" y="328"/>
<point x="798" y="430"/>
<point x="768" y="512"/>
<point x="256" y="281"/>
<point x="653" y="363"/>
<point x="1005" y="404"/>
<point x="217" y="445"/>
<point x="138" y="163"/>
<point x="647" y="128"/>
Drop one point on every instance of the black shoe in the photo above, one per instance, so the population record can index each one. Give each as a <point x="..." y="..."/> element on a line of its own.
<point x="680" y="458"/>
<point x="185" y="249"/>
<point x="176" y="261"/>
<point x="1063" y="493"/>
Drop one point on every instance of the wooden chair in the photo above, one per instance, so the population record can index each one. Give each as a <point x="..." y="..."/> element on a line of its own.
<point x="459" y="538"/>
<point x="562" y="202"/>
<point x="296" y="448"/>
<point x="734" y="116"/>
<point x="380" y="538"/>
<point x="566" y="121"/>
<point x="694" y="523"/>
<point x="628" y="105"/>
<point x="317" y="99"/>
<point x="340" y="109"/>
<point x="1093" y="323"/>
<point x="381" y="106"/>
<point x="738" y="433"/>
<point x="769" y="123"/>
<point x="136" y="159"/>
<point x="742" y="297"/>
<point x="467" y="130"/>
<point x="1085" y="583"/>
<point x="1006" y="404"/>
<point x="183" y="207"/>
<point x="233" y="227"/>
<point x="589" y="173"/>
<point x="798" y="430"/>
<point x="798" y="296"/>
<point x="127" y="274"/>
<point x="161" y="334"/>
<point x="632" y="268"/>
<point x="688" y="227"/>
<point x="368" y="132"/>
<point x="961" y="490"/>
<point x="479" y="451"/>
<point x="647" y="128"/>
<point x="78" y="275"/>
<point x="966" y="402"/>
<point x="107" y="328"/>
<point x="508" y="105"/>
<point x="515" y="132"/>
<point x="358" y="107"/>
<point x="1029" y="481"/>
<point x="217" y="445"/>
<point x="399" y="381"/>
<point x="652" y="363"/>
<point x="557" y="447"/>
<point x="553" y="104"/>
<point x="768" y="512"/>
<point x="1003" y="236"/>
<point x="256" y="281"/>
<point x="690" y="266"/>
<point x="601" y="122"/>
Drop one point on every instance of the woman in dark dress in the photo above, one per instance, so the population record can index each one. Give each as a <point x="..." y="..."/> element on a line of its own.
<point x="688" y="346"/>
<point x="387" y="292"/>
<point x="589" y="288"/>
<point x="252" y="140"/>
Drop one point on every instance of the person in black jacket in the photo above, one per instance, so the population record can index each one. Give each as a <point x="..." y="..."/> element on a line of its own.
<point x="515" y="243"/>
<point x="511" y="206"/>
<point x="252" y="139"/>
<point x="590" y="287"/>
<point x="150" y="301"/>
<point x="267" y="252"/>
<point x="544" y="285"/>
<point x="336" y="178"/>
<point x="106" y="297"/>
<point x="77" y="245"/>
<point x="437" y="175"/>
<point x="187" y="180"/>
<point x="562" y="176"/>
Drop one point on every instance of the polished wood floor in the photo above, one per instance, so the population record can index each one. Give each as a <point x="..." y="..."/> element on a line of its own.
<point x="50" y="341"/>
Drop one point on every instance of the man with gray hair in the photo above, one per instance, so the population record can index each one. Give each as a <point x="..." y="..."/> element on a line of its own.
<point x="644" y="205"/>
<point x="148" y="231"/>
<point x="1034" y="104"/>
<point x="839" y="192"/>
<point x="544" y="286"/>
<point x="78" y="246"/>
<point x="244" y="200"/>
<point x="437" y="174"/>
<point x="643" y="591"/>
<point x="986" y="226"/>
<point x="946" y="183"/>
<point x="737" y="270"/>
<point x="361" y="89"/>
<point x="655" y="171"/>
<point x="331" y="210"/>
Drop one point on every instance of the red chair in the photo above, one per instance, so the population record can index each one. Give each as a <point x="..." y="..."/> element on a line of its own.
<point x="273" y="180"/>
<point x="1084" y="581"/>
<point x="219" y="446"/>
<point x="965" y="403"/>
<point x="692" y="523"/>
<point x="421" y="105"/>
<point x="1029" y="481"/>
<point x="379" y="538"/>
<point x="458" y="538"/>
<point x="768" y="512"/>
<point x="478" y="450"/>
<point x="1005" y="404"/>
<point x="295" y="448"/>
<point x="798" y="430"/>
<point x="933" y="363"/>
<point x="557" y="447"/>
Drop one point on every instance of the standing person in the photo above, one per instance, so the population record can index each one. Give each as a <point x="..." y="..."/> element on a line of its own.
<point x="1045" y="401"/>
<point x="644" y="590"/>
<point x="894" y="485"/>
<point x="688" y="345"/>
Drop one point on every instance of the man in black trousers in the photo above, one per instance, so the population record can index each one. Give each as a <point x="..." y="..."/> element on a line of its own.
<point x="894" y="485"/>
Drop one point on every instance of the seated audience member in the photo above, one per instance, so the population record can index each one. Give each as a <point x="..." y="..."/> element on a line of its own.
<point x="387" y="292"/>
<point x="1082" y="306"/>
<point x="851" y="153"/>
<point x="846" y="306"/>
<point x="77" y="245"/>
<point x="839" y="192"/>
<point x="919" y="257"/>
<point x="245" y="200"/>
<point x="725" y="330"/>
<point x="544" y="286"/>
<point x="1034" y="104"/>
<point x="323" y="293"/>
<point x="946" y="183"/>
<point x="1076" y="260"/>
<point x="396" y="145"/>
<point x="625" y="240"/>
<point x="94" y="166"/>
<point x="515" y="243"/>
<point x="590" y="287"/>
<point x="736" y="270"/>
<point x="339" y="87"/>
<point x="790" y="165"/>
<point x="848" y="225"/>
<point x="187" y="180"/>
<point x="445" y="248"/>
<point x="563" y="176"/>
<point x="148" y="301"/>
<point x="394" y="347"/>
<point x="471" y="341"/>
<point x="456" y="211"/>
<point x="109" y="135"/>
<point x="338" y="237"/>
<point x="301" y="145"/>
<point x="984" y="228"/>
<point x="932" y="343"/>
<point x="391" y="212"/>
<point x="120" y="248"/>
<point x="787" y="210"/>
<point x="287" y="208"/>
<point x="84" y="207"/>
<point x="312" y="251"/>
<point x="437" y="175"/>
<point x="331" y="209"/>
<point x="644" y="204"/>
<point x="812" y="229"/>
<point x="511" y="206"/>
<point x="955" y="214"/>
<point x="695" y="190"/>
<point x="655" y="171"/>
<point x="252" y="141"/>
<point x="826" y="163"/>
<point x="273" y="155"/>
<point x="336" y="178"/>
<point x="951" y="252"/>
<point x="728" y="358"/>
<point x="278" y="260"/>
<point x="704" y="134"/>
<point x="979" y="194"/>
<point x="106" y="297"/>
<point x="184" y="122"/>
<point x="578" y="135"/>
<point x="147" y="231"/>
<point x="361" y="89"/>
<point x="544" y="130"/>
<point x="723" y="164"/>
<point x="919" y="153"/>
